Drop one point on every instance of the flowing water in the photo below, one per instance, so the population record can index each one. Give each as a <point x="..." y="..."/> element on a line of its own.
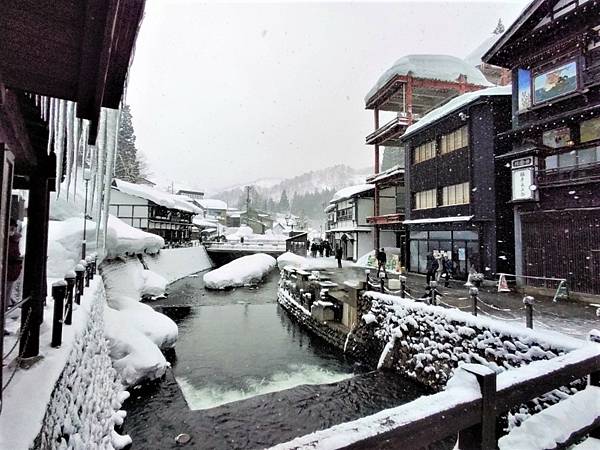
<point x="246" y="376"/>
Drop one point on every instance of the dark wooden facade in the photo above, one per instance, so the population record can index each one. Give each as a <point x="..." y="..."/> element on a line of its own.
<point x="554" y="50"/>
<point x="478" y="233"/>
<point x="72" y="50"/>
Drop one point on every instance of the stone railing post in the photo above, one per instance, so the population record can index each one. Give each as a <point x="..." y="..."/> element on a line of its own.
<point x="59" y="290"/>
<point x="88" y="271"/>
<point x="474" y="293"/>
<point x="528" y="301"/>
<point x="70" y="278"/>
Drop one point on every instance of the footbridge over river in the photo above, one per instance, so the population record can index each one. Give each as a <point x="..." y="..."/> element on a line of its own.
<point x="224" y="252"/>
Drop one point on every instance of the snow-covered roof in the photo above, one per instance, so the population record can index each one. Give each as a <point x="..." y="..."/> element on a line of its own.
<point x="392" y="171"/>
<point x="210" y="203"/>
<point x="351" y="191"/>
<point x="201" y="222"/>
<point x="330" y="207"/>
<point x="161" y="198"/>
<point x="433" y="67"/>
<point x="474" y="58"/>
<point x="455" y="104"/>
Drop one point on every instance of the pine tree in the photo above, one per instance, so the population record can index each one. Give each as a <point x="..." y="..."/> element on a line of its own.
<point x="284" y="203"/>
<point x="499" y="28"/>
<point x="127" y="166"/>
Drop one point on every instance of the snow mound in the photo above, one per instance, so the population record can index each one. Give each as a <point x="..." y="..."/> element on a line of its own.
<point x="243" y="231"/>
<point x="290" y="259"/>
<point x="243" y="271"/>
<point x="123" y="239"/>
<point x="154" y="284"/>
<point x="176" y="263"/>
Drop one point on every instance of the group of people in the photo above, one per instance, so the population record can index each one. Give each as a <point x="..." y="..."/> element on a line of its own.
<point x="439" y="268"/>
<point x="320" y="248"/>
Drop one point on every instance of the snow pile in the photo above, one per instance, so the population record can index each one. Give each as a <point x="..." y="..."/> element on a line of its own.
<point x="351" y="191"/>
<point x="291" y="259"/>
<point x="154" y="284"/>
<point x="176" y="263"/>
<point x="65" y="238"/>
<point x="370" y="260"/>
<point x="242" y="232"/>
<point x="135" y="330"/>
<point x="554" y="425"/>
<point x="244" y="271"/>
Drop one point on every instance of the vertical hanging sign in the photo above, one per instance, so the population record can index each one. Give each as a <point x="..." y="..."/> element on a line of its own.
<point x="523" y="186"/>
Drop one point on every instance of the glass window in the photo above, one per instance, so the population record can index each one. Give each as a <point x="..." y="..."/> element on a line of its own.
<point x="456" y="194"/>
<point x="586" y="156"/>
<point x="424" y="152"/>
<point x="418" y="234"/>
<point x="567" y="159"/>
<point x="465" y="235"/>
<point x="455" y="140"/>
<point x="414" y="255"/>
<point x="440" y="235"/>
<point x="552" y="162"/>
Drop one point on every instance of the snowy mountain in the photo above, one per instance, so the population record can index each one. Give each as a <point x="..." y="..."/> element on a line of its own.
<point x="325" y="181"/>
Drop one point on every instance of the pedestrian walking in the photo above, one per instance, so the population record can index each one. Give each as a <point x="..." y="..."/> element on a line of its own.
<point x="381" y="260"/>
<point x="327" y="249"/>
<point x="432" y="267"/>
<point x="313" y="249"/>
<point x="447" y="270"/>
<point x="338" y="255"/>
<point x="321" y="248"/>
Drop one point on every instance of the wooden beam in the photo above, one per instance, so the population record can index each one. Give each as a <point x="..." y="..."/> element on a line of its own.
<point x="13" y="130"/>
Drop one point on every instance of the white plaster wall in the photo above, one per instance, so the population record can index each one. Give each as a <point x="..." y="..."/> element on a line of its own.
<point x="365" y="244"/>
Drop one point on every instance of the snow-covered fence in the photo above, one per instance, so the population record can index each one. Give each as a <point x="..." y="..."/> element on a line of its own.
<point x="469" y="407"/>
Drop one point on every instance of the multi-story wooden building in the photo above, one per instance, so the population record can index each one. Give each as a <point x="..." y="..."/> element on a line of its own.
<point x="142" y="206"/>
<point x="553" y="51"/>
<point x="414" y="85"/>
<point x="457" y="202"/>
<point x="347" y="225"/>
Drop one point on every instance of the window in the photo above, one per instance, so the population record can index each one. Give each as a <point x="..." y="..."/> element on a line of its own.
<point x="574" y="159"/>
<point x="456" y="194"/>
<point x="426" y="199"/>
<point x="456" y="140"/>
<point x="424" y="152"/>
<point x="345" y="214"/>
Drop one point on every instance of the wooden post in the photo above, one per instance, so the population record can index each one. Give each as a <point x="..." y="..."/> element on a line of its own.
<point x="88" y="270"/>
<point x="33" y="273"/>
<point x="594" y="380"/>
<point x="59" y="290"/>
<point x="474" y="292"/>
<point x="402" y="286"/>
<point x="528" y="302"/>
<point x="483" y="435"/>
<point x="70" y="280"/>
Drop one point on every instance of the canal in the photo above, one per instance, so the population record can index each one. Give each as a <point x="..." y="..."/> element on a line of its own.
<point x="245" y="376"/>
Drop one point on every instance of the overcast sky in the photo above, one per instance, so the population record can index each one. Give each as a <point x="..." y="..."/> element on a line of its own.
<point x="226" y="93"/>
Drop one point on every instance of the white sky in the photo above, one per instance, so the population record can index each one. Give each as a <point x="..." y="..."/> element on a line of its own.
<point x="226" y="93"/>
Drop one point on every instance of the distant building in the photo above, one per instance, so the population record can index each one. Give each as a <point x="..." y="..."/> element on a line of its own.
<point x="457" y="202"/>
<point x="494" y="74"/>
<point x="196" y="195"/>
<point x="553" y="51"/>
<point x="213" y="209"/>
<point x="347" y="225"/>
<point x="154" y="211"/>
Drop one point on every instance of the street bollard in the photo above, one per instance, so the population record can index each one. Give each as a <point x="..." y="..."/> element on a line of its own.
<point x="79" y="271"/>
<point x="433" y="286"/>
<point x="474" y="293"/>
<point x="528" y="301"/>
<point x="382" y="285"/>
<point x="402" y="286"/>
<point x="59" y="290"/>
<point x="70" y="278"/>
<point x="368" y="273"/>
<point x="88" y="270"/>
<point x="94" y="257"/>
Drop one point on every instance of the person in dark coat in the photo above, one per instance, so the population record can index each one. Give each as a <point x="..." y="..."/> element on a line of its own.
<point x="381" y="260"/>
<point x="321" y="248"/>
<point x="15" y="262"/>
<point x="432" y="267"/>
<point x="313" y="249"/>
<point x="447" y="270"/>
<point x="338" y="255"/>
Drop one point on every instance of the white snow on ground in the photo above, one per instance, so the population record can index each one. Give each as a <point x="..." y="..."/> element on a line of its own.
<point x="306" y="263"/>
<point x="243" y="271"/>
<point x="588" y="444"/>
<point x="176" y="263"/>
<point x="556" y="423"/>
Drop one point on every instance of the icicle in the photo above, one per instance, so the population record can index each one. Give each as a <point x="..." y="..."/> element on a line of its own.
<point x="50" y="128"/>
<point x="112" y="127"/>
<point x="94" y="171"/>
<point x="70" y="145"/>
<point x="76" y="147"/>
<point x="43" y="111"/>
<point x="59" y="133"/>
<point x="100" y="148"/>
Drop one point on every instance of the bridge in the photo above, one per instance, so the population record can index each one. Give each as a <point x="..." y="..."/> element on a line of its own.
<point x="223" y="252"/>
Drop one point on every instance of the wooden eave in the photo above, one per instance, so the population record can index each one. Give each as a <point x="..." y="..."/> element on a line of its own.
<point x="77" y="50"/>
<point x="513" y="47"/>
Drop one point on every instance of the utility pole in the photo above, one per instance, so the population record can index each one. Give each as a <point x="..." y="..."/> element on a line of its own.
<point x="248" y="188"/>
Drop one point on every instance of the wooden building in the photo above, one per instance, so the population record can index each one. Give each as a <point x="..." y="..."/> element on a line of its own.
<point x="347" y="225"/>
<point x="413" y="86"/>
<point x="457" y="201"/>
<point x="157" y="212"/>
<point x="553" y="51"/>
<point x="75" y="51"/>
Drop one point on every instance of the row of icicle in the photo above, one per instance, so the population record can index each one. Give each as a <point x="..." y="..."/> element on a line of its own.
<point x="68" y="139"/>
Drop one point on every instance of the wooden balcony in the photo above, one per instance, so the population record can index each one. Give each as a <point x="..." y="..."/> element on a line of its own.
<point x="568" y="176"/>
<point x="390" y="133"/>
<point x="387" y="219"/>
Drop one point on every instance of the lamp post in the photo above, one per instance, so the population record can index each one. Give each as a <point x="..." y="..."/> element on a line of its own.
<point x="87" y="176"/>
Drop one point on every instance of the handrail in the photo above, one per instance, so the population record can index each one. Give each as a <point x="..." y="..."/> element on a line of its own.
<point x="17" y="305"/>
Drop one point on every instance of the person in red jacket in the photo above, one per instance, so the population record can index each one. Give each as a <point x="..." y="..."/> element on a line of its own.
<point x="15" y="261"/>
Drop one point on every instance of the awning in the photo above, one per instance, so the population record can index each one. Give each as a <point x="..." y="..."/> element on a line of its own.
<point x="438" y="220"/>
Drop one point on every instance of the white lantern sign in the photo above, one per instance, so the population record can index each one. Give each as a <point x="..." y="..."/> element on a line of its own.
<point x="523" y="187"/>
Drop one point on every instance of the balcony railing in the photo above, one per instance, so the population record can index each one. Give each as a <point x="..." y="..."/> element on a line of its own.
<point x="565" y="176"/>
<point x="393" y="129"/>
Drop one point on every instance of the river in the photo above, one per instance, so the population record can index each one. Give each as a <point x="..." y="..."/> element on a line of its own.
<point x="245" y="376"/>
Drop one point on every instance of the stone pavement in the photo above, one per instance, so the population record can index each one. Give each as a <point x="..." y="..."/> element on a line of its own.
<point x="572" y="318"/>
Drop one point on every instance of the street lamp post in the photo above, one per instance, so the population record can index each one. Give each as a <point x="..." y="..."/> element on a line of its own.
<point x="87" y="176"/>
